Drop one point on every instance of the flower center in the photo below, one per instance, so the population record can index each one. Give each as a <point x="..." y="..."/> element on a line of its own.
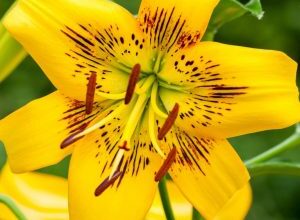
<point x="142" y="95"/>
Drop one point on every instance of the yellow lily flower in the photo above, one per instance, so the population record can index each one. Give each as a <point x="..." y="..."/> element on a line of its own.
<point x="237" y="208"/>
<point x="42" y="197"/>
<point x="39" y="196"/>
<point x="122" y="81"/>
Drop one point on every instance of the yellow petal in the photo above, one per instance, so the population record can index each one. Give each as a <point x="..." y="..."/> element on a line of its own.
<point x="39" y="196"/>
<point x="70" y="39"/>
<point x="132" y="193"/>
<point x="181" y="207"/>
<point x="207" y="171"/>
<point x="237" y="208"/>
<point x="32" y="135"/>
<point x="174" y="24"/>
<point x="232" y="90"/>
<point x="239" y="205"/>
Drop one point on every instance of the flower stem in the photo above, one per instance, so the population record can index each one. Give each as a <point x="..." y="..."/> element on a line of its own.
<point x="196" y="215"/>
<point x="165" y="199"/>
<point x="291" y="142"/>
<point x="283" y="168"/>
<point x="12" y="206"/>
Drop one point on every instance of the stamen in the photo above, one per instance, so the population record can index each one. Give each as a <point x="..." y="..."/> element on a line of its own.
<point x="90" y="93"/>
<point x="169" y="122"/>
<point x="135" y="72"/>
<point x="140" y="83"/>
<point x="116" y="163"/>
<point x="158" y="61"/>
<point x="133" y="120"/>
<point x="107" y="182"/>
<point x="146" y="85"/>
<point x="166" y="165"/>
<point x="153" y="101"/>
<point x="77" y="136"/>
<point x="70" y="140"/>
<point x="115" y="96"/>
<point x="152" y="135"/>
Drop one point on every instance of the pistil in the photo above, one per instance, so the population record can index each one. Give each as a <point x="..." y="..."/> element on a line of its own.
<point x="116" y="163"/>
<point x="166" y="165"/>
<point x="169" y="122"/>
<point x="151" y="124"/>
<point x="134" y="77"/>
<point x="124" y="146"/>
<point x="133" y="120"/>
<point x="146" y="85"/>
<point x="154" y="101"/>
<point x="77" y="136"/>
<point x="157" y="64"/>
<point x="90" y="93"/>
<point x="113" y="96"/>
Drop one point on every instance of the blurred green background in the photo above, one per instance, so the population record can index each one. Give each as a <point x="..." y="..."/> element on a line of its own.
<point x="275" y="197"/>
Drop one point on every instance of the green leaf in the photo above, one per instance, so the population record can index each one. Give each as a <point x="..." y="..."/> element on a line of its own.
<point x="255" y="8"/>
<point x="228" y="10"/>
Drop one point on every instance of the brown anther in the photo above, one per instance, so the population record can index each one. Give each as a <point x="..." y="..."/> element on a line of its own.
<point x="134" y="76"/>
<point x="106" y="183"/>
<point x="90" y="93"/>
<point x="169" y="122"/>
<point x="166" y="165"/>
<point x="124" y="146"/>
<point x="70" y="140"/>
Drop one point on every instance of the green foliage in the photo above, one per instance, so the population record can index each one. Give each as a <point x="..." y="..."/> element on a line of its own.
<point x="275" y="197"/>
<point x="255" y="8"/>
<point x="228" y="10"/>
